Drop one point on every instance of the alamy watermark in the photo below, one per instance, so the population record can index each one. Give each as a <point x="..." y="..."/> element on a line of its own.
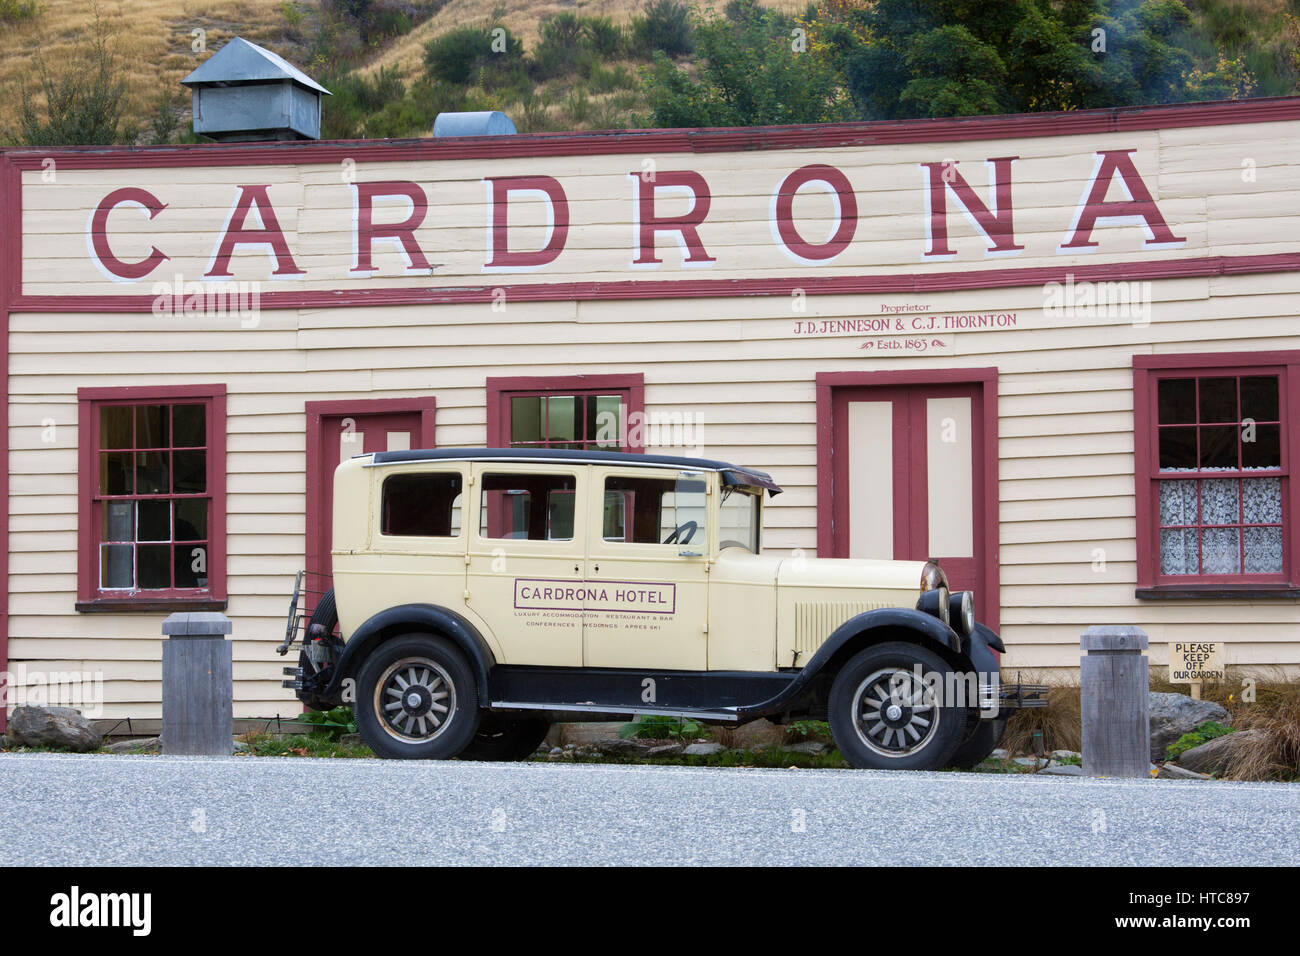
<point x="81" y="690"/>
<point x="1129" y="301"/>
<point x="680" y="431"/>
<point x="213" y="300"/>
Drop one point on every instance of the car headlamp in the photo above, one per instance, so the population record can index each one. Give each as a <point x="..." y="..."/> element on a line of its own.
<point x="961" y="611"/>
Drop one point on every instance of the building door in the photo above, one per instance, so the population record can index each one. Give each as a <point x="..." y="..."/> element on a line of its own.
<point x="340" y="430"/>
<point x="910" y="478"/>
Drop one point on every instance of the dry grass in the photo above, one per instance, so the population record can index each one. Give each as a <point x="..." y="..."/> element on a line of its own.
<point x="1059" y="722"/>
<point x="1274" y="753"/>
<point x="151" y="39"/>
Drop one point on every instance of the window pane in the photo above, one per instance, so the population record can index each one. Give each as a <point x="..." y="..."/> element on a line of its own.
<point x="190" y="562"/>
<point x="525" y="419"/>
<point x="1263" y="550"/>
<point x="559" y="516"/>
<point x="119" y="521"/>
<point x="155" y="520"/>
<point x="155" y="566"/>
<point x="115" y="426"/>
<point x="1218" y="400"/>
<point x="1221" y="551"/>
<point x="151" y="426"/>
<point x="1219" y="447"/>
<point x="1266" y="449"/>
<point x="607" y="414"/>
<point x="191" y="472"/>
<point x="189" y="426"/>
<point x="115" y="566"/>
<point x="1177" y="503"/>
<point x="419" y="505"/>
<point x="617" y="506"/>
<point x="191" y="519"/>
<point x="534" y="507"/>
<point x="1178" y="552"/>
<point x="115" y="473"/>
<point x="1177" y="449"/>
<point x="562" y="418"/>
<point x="1259" y="399"/>
<point x="151" y="473"/>
<point x="1263" y="500"/>
<point x="659" y="508"/>
<point x="1219" y="503"/>
<point x="1176" y="398"/>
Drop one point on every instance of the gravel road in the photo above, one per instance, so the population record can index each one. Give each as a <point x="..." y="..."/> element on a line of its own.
<point x="145" y="810"/>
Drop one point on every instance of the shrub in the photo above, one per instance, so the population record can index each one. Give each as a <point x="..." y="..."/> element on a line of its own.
<point x="14" y="11"/>
<point x="82" y="105"/>
<point x="653" y="727"/>
<point x="665" y="26"/>
<point x="472" y="54"/>
<point x="1202" y="734"/>
<point x="561" y="49"/>
<point x="603" y="37"/>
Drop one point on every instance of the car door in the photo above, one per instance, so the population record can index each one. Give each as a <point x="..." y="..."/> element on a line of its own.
<point x="527" y="555"/>
<point x="647" y="573"/>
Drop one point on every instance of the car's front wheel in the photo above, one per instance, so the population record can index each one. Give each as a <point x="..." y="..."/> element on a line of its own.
<point x="416" y="699"/>
<point x="887" y="711"/>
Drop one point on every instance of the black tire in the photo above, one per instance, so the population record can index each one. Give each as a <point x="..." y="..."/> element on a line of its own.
<point x="437" y="719"/>
<point x="324" y="619"/>
<point x="920" y="733"/>
<point x="506" y="738"/>
<point x="982" y="740"/>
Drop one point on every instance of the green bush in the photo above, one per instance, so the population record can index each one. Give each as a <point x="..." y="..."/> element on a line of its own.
<point x="14" y="11"/>
<point x="333" y="723"/>
<point x="473" y="54"/>
<point x="653" y="727"/>
<point x="1202" y="734"/>
<point x="561" y="50"/>
<point x="603" y="37"/>
<point x="665" y="26"/>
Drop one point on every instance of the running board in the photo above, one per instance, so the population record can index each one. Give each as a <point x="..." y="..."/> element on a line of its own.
<point x="728" y="714"/>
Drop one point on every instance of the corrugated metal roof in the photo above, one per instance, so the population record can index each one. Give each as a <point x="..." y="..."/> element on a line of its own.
<point x="240" y="61"/>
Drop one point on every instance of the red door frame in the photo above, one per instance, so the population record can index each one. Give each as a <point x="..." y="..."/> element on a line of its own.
<point x="317" y="412"/>
<point x="832" y="512"/>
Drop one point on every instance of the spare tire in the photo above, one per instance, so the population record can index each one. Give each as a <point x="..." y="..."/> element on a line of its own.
<point x="324" y="618"/>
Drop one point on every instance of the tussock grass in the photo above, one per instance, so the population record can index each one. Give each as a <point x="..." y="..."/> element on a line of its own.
<point x="1274" y="750"/>
<point x="1059" y="723"/>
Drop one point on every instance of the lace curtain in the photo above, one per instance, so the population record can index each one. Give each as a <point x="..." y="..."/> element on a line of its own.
<point x="1221" y="550"/>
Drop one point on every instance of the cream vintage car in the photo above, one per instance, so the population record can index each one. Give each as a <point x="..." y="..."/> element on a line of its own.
<point x="481" y="594"/>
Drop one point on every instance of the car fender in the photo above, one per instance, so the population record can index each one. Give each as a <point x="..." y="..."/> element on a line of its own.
<point x="927" y="629"/>
<point x="403" y="619"/>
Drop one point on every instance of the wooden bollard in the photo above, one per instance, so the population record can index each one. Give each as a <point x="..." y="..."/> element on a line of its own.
<point x="1114" y="684"/>
<point x="197" y="685"/>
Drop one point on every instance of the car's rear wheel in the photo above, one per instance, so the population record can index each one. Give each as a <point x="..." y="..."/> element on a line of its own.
<point x="885" y="714"/>
<point x="506" y="738"/>
<point x="416" y="699"/>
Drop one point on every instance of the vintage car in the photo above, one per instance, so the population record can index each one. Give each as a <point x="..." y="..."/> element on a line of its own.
<point x="481" y="594"/>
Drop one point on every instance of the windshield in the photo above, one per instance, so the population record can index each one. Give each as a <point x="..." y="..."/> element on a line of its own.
<point x="739" y="519"/>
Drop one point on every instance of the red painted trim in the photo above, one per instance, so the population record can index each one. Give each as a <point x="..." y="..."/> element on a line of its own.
<point x="87" y="445"/>
<point x="1147" y="371"/>
<point x="8" y="258"/>
<point x="706" y="140"/>
<point x="499" y="389"/>
<point x="897" y="283"/>
<point x="316" y="413"/>
<point x="832" y="511"/>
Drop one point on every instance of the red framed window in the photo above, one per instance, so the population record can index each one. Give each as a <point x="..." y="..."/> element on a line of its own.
<point x="1214" y="465"/>
<point x="152" y="517"/>
<point x="583" y="412"/>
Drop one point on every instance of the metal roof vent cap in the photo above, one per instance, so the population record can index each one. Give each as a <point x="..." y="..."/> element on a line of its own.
<point x="245" y="93"/>
<point x="485" y="123"/>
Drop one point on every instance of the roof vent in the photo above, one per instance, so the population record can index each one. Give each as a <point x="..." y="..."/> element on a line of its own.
<point x="244" y="93"/>
<point x="486" y="123"/>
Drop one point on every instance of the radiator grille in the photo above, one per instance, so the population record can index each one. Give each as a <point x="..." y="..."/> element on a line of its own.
<point x="814" y="621"/>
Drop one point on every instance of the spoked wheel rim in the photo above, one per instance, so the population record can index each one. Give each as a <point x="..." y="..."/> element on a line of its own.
<point x="415" y="700"/>
<point x="894" y="713"/>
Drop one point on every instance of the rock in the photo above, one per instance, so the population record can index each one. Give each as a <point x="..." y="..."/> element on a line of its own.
<point x="351" y="740"/>
<point x="1213" y="755"/>
<point x="1173" y="715"/>
<point x="1171" y="771"/>
<point x="1062" y="770"/>
<point x="135" y="745"/>
<point x="557" y="752"/>
<point x="239" y="746"/>
<point x="61" y="728"/>
<point x="1000" y="753"/>
<point x="1065" y="755"/>
<point x="815" y="747"/>
<point x="618" y="747"/>
<point x="703" y="750"/>
<point x="664" y="750"/>
<point x="1032" y="761"/>
<point x="758" y="733"/>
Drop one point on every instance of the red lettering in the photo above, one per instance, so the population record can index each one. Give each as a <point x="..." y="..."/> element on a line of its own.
<point x="687" y="225"/>
<point x="99" y="233"/>
<point x="1140" y="204"/>
<point x="557" y="211"/>
<point x="270" y="234"/>
<point x="996" y="224"/>
<point x="404" y="232"/>
<point x="783" y="213"/>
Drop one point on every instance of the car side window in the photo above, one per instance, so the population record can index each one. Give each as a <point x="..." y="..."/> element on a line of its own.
<point x="670" y="510"/>
<point x="424" y="505"/>
<point x="527" y="507"/>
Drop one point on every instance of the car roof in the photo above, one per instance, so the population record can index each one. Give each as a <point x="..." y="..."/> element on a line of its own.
<point x="731" y="474"/>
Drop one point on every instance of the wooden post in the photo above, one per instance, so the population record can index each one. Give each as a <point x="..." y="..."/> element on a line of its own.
<point x="1114" y="684"/>
<point x="197" y="685"/>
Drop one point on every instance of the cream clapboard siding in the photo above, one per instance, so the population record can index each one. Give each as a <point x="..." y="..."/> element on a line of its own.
<point x="1065" y="450"/>
<point x="1065" y="386"/>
